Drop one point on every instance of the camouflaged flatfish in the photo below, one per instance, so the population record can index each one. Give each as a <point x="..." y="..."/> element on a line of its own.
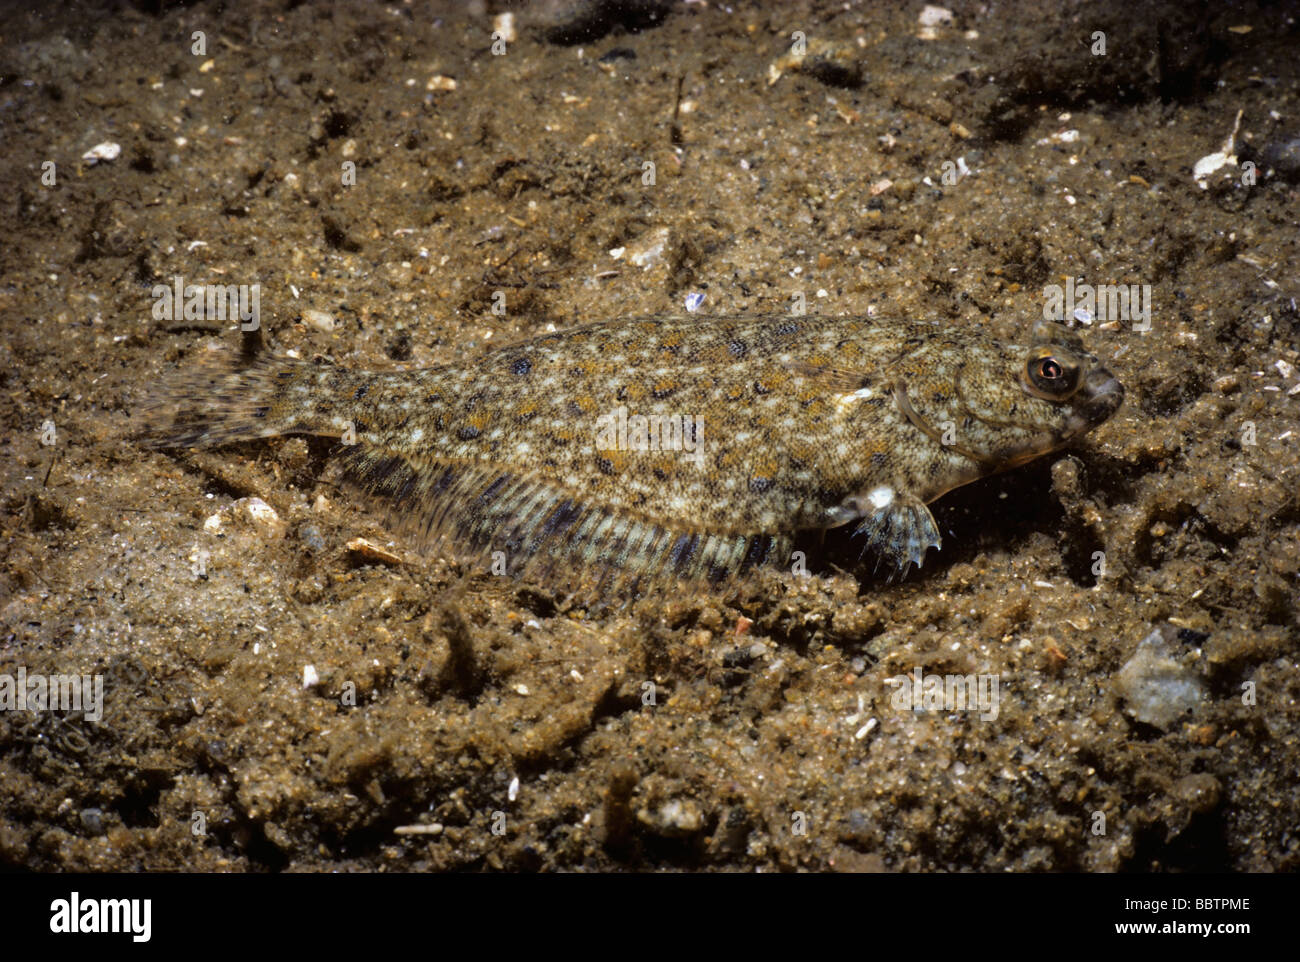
<point x="687" y="447"/>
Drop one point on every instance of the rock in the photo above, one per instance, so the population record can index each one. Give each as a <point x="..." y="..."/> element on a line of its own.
<point x="1156" y="687"/>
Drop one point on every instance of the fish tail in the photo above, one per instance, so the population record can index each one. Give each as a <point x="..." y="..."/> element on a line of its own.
<point x="226" y="397"/>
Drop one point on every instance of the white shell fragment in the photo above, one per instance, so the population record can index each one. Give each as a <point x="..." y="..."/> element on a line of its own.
<point x="648" y="250"/>
<point x="1225" y="156"/>
<point x="932" y="16"/>
<point x="253" y="513"/>
<point x="504" y="24"/>
<point x="366" y="548"/>
<point x="261" y="514"/>
<point x="102" y="153"/>
<point x="1157" y="688"/>
<point x="321" y="320"/>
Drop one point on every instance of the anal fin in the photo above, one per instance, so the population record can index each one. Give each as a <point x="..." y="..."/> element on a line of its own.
<point x="539" y="525"/>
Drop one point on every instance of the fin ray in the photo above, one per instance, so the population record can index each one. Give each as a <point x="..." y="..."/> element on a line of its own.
<point x="541" y="525"/>
<point x="898" y="526"/>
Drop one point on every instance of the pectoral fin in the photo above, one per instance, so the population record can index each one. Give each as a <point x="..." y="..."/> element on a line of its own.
<point x="898" y="526"/>
<point x="833" y="379"/>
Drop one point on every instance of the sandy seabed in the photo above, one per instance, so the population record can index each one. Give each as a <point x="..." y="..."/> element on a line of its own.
<point x="456" y="720"/>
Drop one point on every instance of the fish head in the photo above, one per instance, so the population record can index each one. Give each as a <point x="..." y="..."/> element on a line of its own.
<point x="1031" y="400"/>
<point x="1005" y="404"/>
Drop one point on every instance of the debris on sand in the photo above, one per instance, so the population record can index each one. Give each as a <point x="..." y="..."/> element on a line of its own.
<point x="1157" y="687"/>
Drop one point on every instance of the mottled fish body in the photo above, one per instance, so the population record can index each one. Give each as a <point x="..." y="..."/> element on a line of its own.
<point x="688" y="447"/>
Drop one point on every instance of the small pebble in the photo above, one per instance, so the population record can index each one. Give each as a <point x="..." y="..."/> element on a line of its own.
<point x="92" y="819"/>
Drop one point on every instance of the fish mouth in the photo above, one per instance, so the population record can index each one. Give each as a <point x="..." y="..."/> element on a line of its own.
<point x="1099" y="397"/>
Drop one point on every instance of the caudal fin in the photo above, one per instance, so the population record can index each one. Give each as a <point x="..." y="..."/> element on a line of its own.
<point x="224" y="398"/>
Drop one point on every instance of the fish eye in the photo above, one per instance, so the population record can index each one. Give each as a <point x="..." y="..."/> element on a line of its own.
<point x="1051" y="376"/>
